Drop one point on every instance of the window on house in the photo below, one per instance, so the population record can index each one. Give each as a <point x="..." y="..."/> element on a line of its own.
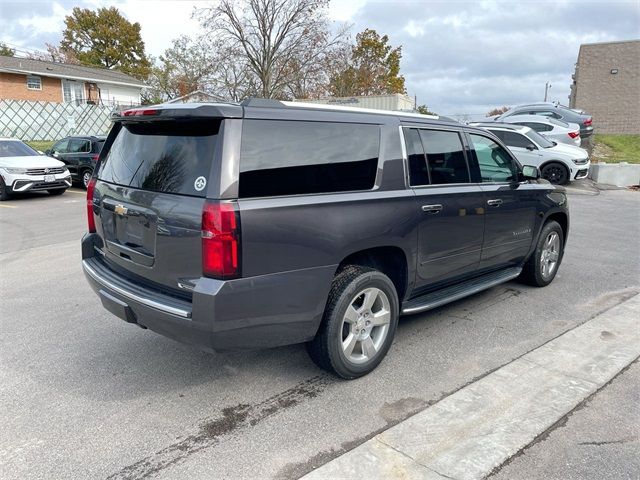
<point x="73" y="91"/>
<point x="34" y="83"/>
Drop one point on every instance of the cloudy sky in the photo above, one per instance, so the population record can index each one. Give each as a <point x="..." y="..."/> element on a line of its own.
<point x="459" y="57"/>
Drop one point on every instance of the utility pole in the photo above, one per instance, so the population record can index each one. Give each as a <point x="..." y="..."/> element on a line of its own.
<point x="547" y="87"/>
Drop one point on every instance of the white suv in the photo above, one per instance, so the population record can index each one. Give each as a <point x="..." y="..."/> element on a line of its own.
<point x="22" y="169"/>
<point x="559" y="163"/>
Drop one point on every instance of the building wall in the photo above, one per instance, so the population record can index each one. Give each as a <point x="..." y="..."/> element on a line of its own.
<point x="119" y="94"/>
<point x="612" y="99"/>
<point x="13" y="86"/>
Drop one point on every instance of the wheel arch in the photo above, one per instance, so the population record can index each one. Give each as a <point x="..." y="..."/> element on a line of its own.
<point x="562" y="218"/>
<point x="390" y="260"/>
<point x="556" y="160"/>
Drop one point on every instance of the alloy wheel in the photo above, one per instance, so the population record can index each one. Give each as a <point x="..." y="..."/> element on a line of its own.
<point x="365" y="325"/>
<point x="550" y="255"/>
<point x="86" y="178"/>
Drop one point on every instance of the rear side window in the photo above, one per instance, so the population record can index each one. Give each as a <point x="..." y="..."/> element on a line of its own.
<point x="170" y="157"/>
<point x="445" y="157"/>
<point x="77" y="145"/>
<point x="291" y="158"/>
<point x="417" y="161"/>
<point x="512" y="139"/>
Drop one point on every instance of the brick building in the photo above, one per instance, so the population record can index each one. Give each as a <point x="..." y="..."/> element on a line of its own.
<point x="606" y="84"/>
<point x="37" y="80"/>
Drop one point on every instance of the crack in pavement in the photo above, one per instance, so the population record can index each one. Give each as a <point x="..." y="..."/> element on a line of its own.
<point x="210" y="432"/>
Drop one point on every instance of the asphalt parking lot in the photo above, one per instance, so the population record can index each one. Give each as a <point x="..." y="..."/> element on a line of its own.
<point x="85" y="395"/>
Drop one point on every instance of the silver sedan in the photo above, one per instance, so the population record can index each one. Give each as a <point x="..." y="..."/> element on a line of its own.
<point x="552" y="128"/>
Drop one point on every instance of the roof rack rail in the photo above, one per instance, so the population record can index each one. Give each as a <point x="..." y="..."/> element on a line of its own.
<point x="261" y="102"/>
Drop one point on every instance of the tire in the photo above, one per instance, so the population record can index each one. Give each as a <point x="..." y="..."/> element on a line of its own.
<point x="556" y="173"/>
<point x="4" y="193"/>
<point x="57" y="191"/>
<point x="349" y="343"/>
<point x="85" y="177"/>
<point x="534" y="271"/>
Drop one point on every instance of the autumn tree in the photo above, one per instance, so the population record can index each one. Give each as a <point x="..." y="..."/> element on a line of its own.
<point x="497" y="111"/>
<point x="280" y="46"/>
<point x="105" y="38"/>
<point x="424" y="110"/>
<point x="183" y="68"/>
<point x="7" y="51"/>
<point x="55" y="54"/>
<point x="373" y="68"/>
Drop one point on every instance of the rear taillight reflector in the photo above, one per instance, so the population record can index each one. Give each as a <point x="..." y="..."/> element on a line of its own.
<point x="95" y="157"/>
<point x="574" y="134"/>
<point x="91" y="222"/>
<point x="220" y="240"/>
<point x="588" y="122"/>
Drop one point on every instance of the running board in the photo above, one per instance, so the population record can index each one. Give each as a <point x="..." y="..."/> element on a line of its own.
<point x="458" y="291"/>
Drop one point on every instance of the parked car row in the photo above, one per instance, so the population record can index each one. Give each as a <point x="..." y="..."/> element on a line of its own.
<point x="547" y="136"/>
<point x="70" y="160"/>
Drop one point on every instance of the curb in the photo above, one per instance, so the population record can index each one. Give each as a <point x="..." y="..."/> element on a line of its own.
<point x="475" y="430"/>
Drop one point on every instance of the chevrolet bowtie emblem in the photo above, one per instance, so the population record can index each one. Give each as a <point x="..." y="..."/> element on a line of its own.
<point x="120" y="209"/>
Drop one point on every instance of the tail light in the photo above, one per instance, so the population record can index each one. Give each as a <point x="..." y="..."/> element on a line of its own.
<point x="588" y="122"/>
<point x="90" y="220"/>
<point x="136" y="112"/>
<point x="574" y="134"/>
<point x="95" y="157"/>
<point x="220" y="240"/>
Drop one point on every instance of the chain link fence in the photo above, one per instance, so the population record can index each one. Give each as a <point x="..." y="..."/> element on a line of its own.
<point x="41" y="121"/>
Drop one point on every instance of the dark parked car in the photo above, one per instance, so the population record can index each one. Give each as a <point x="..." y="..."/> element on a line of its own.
<point x="79" y="154"/>
<point x="272" y="223"/>
<point x="566" y="114"/>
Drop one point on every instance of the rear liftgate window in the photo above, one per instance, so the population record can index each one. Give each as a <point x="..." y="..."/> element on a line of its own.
<point x="290" y="158"/>
<point x="170" y="157"/>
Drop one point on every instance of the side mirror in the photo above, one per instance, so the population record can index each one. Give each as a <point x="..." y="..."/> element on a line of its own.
<point x="530" y="172"/>
<point x="531" y="147"/>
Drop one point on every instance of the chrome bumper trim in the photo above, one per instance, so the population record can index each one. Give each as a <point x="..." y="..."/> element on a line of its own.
<point x="180" y="312"/>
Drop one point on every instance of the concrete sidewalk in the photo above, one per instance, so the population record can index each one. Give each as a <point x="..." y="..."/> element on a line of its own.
<point x="475" y="430"/>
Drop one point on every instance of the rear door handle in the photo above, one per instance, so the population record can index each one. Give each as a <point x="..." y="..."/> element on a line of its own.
<point x="432" y="208"/>
<point x="494" y="203"/>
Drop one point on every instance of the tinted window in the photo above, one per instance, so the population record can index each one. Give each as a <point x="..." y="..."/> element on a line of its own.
<point x="540" y="140"/>
<point x="77" y="145"/>
<point x="560" y="123"/>
<point x="97" y="146"/>
<point x="496" y="165"/>
<point x="546" y="113"/>
<point x="445" y="157"/>
<point x="512" y="139"/>
<point x="290" y="158"/>
<point x="61" y="146"/>
<point x="417" y="161"/>
<point x="538" y="127"/>
<point x="165" y="157"/>
<point x="15" y="149"/>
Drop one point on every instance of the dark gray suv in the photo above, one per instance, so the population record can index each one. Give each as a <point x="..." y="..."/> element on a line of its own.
<point x="271" y="223"/>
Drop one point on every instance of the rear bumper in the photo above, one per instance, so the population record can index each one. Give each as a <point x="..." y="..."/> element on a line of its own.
<point x="256" y="312"/>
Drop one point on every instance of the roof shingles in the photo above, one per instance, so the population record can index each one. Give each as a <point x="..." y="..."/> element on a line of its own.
<point x="65" y="70"/>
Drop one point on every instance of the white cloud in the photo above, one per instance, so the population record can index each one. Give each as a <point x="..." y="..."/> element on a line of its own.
<point x="344" y="10"/>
